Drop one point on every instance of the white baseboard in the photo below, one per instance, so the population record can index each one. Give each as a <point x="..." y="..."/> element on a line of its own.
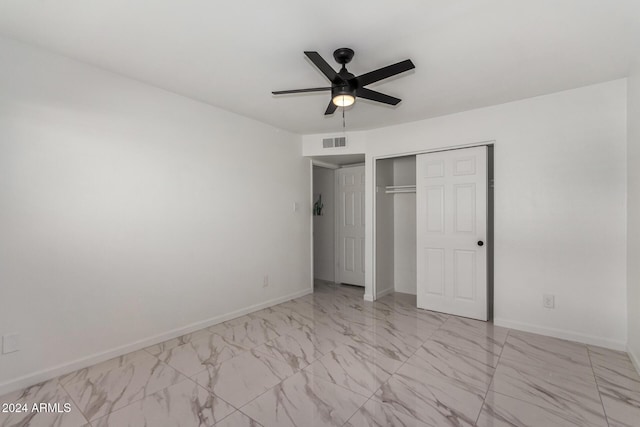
<point x="384" y="292"/>
<point x="563" y="334"/>
<point x="635" y="359"/>
<point x="65" y="368"/>
<point x="368" y="297"/>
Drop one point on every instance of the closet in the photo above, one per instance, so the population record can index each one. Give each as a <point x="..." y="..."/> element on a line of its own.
<point x="433" y="229"/>
<point x="396" y="225"/>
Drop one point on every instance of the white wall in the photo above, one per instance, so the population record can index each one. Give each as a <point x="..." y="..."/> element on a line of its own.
<point x="560" y="205"/>
<point x="312" y="144"/>
<point x="128" y="214"/>
<point x="633" y="214"/>
<point x="324" y="259"/>
<point x="405" y="234"/>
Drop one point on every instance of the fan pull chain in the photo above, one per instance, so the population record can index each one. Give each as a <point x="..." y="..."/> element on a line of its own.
<point x="344" y="125"/>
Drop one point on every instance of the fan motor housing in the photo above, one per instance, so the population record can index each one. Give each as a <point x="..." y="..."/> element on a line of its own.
<point x="343" y="90"/>
<point x="344" y="55"/>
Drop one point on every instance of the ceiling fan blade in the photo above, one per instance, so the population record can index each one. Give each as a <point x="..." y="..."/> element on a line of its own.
<point x="377" y="96"/>
<point x="311" y="89"/>
<point x="331" y="108"/>
<point x="385" y="72"/>
<point x="323" y="66"/>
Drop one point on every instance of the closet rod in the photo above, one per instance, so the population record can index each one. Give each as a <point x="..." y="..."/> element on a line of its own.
<point x="398" y="187"/>
<point x="395" y="189"/>
<point x="399" y="191"/>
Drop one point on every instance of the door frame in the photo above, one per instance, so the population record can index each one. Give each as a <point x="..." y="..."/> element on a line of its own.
<point x="490" y="207"/>
<point x="326" y="165"/>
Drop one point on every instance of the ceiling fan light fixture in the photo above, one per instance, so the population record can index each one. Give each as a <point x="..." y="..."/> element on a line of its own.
<point x="344" y="100"/>
<point x="343" y="96"/>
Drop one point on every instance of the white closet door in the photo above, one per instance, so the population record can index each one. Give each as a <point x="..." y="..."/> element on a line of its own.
<point x="451" y="212"/>
<point x="350" y="227"/>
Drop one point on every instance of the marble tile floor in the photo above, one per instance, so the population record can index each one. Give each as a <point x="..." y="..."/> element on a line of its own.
<point x="332" y="359"/>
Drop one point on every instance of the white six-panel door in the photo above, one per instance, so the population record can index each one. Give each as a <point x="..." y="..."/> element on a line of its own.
<point x="350" y="225"/>
<point x="451" y="208"/>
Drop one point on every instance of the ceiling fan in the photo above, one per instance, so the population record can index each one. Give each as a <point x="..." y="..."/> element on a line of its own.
<point x="345" y="87"/>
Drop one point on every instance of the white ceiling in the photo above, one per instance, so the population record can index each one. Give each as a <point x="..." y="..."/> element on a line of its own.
<point x="232" y="54"/>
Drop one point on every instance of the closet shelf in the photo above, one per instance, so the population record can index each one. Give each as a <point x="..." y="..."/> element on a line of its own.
<point x="396" y="189"/>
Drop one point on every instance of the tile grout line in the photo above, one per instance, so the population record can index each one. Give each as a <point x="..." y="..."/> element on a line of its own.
<point x="280" y="383"/>
<point x="484" y="400"/>
<point x="595" y="378"/>
<point x="299" y="371"/>
<point x="244" y="413"/>
<point x="90" y="422"/>
<point x="335" y="384"/>
<point x="186" y="377"/>
<point x="359" y="407"/>
<point x="211" y="393"/>
<point x="391" y="376"/>
<point x="190" y="378"/>
<point x="133" y="401"/>
<point x="534" y="404"/>
<point x="341" y="344"/>
<point x="245" y="350"/>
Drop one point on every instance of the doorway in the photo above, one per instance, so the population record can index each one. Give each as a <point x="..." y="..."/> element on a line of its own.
<point x="338" y="224"/>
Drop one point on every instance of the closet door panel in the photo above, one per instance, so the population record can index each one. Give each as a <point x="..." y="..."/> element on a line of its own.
<point x="451" y="212"/>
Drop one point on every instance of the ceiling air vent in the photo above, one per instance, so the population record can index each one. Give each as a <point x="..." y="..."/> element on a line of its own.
<point x="338" y="141"/>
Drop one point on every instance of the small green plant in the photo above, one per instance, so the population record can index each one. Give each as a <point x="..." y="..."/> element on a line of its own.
<point x="317" y="206"/>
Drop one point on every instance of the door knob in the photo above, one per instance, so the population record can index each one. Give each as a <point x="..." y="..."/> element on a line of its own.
<point x="480" y="243"/>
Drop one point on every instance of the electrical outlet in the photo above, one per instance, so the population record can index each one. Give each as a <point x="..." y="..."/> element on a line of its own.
<point x="265" y="281"/>
<point x="549" y="301"/>
<point x="10" y="343"/>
